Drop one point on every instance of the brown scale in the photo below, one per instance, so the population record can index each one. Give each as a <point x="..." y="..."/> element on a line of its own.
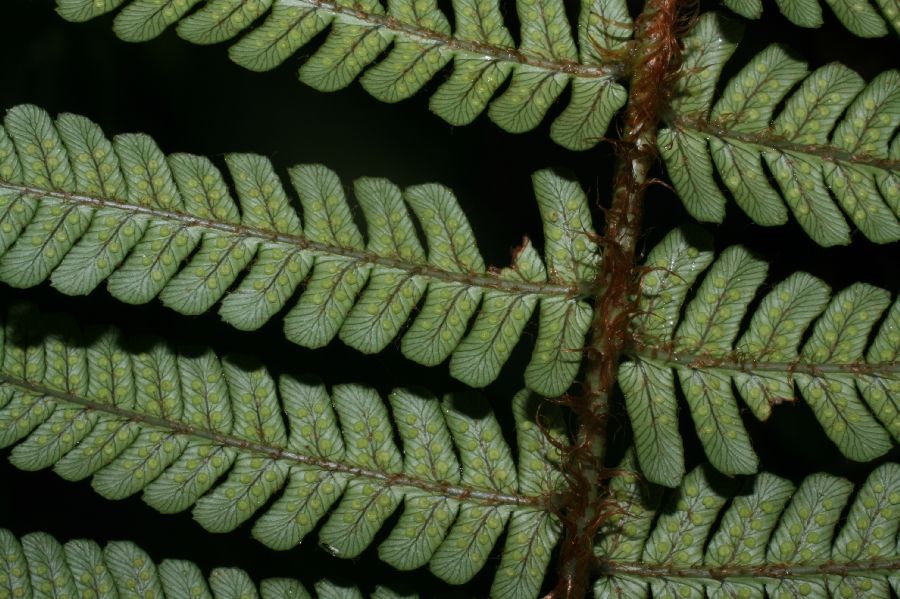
<point x="586" y="504"/>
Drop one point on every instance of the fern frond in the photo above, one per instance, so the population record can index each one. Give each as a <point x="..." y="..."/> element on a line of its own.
<point x="37" y="565"/>
<point x="194" y="431"/>
<point x="765" y="538"/>
<point x="854" y="392"/>
<point x="77" y="208"/>
<point x="865" y="18"/>
<point x="421" y="44"/>
<point x="829" y="149"/>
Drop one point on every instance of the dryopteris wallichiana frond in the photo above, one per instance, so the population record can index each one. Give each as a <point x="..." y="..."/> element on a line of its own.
<point x="588" y="504"/>
<point x="830" y="148"/>
<point x="419" y="44"/>
<point x="78" y="209"/>
<point x="772" y="539"/>
<point x="37" y="562"/>
<point x="851" y="383"/>
<point x="223" y="438"/>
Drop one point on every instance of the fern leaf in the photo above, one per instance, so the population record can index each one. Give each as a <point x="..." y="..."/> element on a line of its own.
<point x="37" y="565"/>
<point x="534" y="532"/>
<point x="861" y="18"/>
<point x="209" y="434"/>
<point x="570" y="252"/>
<point x="78" y="209"/>
<point x="767" y="538"/>
<point x="827" y="149"/>
<point x="421" y="43"/>
<point x="854" y="396"/>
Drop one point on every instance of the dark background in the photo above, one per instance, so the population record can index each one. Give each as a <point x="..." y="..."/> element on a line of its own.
<point x="192" y="99"/>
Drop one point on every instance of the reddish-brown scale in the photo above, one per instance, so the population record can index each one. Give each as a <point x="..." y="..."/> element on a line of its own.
<point x="586" y="505"/>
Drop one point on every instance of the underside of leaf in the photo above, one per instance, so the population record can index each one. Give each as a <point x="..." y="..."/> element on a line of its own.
<point x="800" y="341"/>
<point x="225" y="439"/>
<point x="830" y="154"/>
<point x="420" y="45"/>
<point x="37" y="565"/>
<point x="78" y="209"/>
<point x="762" y="537"/>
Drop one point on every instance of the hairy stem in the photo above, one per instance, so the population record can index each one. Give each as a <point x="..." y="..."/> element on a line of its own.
<point x="654" y="57"/>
